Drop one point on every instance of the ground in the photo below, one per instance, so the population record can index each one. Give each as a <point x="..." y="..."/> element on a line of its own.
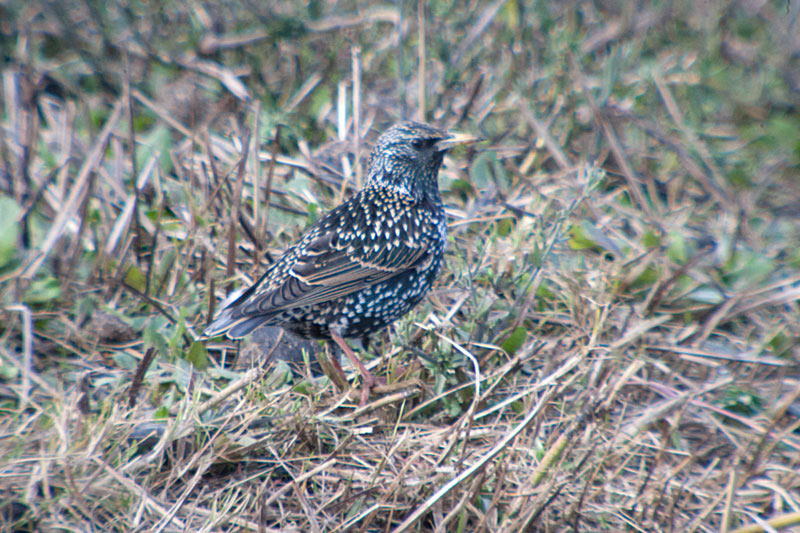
<point x="612" y="344"/>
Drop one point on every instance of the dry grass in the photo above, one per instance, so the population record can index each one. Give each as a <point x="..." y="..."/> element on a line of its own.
<point x="623" y="266"/>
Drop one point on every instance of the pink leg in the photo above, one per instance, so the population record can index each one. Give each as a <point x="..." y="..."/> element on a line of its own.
<point x="334" y="359"/>
<point x="366" y="377"/>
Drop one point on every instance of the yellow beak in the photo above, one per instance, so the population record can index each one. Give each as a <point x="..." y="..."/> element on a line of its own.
<point x="456" y="139"/>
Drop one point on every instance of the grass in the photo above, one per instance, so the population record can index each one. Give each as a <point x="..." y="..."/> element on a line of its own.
<point x="622" y="268"/>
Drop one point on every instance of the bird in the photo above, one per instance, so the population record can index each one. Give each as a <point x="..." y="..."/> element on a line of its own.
<point x="368" y="261"/>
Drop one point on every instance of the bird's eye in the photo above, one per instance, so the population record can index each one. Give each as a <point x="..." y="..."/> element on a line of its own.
<point x="417" y="144"/>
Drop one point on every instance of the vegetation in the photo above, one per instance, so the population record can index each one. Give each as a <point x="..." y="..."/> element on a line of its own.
<point x="614" y="341"/>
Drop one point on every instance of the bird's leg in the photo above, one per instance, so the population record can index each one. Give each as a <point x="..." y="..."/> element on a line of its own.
<point x="368" y="380"/>
<point x="334" y="359"/>
<point x="333" y="368"/>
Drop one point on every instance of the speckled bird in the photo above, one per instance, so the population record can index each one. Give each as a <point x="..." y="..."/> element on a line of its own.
<point x="367" y="262"/>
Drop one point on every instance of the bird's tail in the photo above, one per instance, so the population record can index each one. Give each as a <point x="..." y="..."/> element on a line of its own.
<point x="234" y="328"/>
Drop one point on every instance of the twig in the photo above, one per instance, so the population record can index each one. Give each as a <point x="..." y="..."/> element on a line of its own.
<point x="248" y="377"/>
<point x="634" y="183"/>
<point x="267" y="195"/>
<point x="132" y="152"/>
<point x="481" y="463"/>
<point x="727" y="512"/>
<point x="256" y="170"/>
<point x="714" y="185"/>
<point x="421" y="79"/>
<point x="476" y="88"/>
<point x="543" y="133"/>
<point x="483" y="22"/>
<point x="776" y="523"/>
<point x="300" y="479"/>
<point x="27" y="351"/>
<point x="341" y="131"/>
<point x="151" y="259"/>
<point x="141" y="492"/>
<point x="402" y="79"/>
<point x="124" y="219"/>
<point x="237" y="204"/>
<point x="78" y="189"/>
<point x="138" y="377"/>
<point x="163" y="114"/>
<point x="355" y="53"/>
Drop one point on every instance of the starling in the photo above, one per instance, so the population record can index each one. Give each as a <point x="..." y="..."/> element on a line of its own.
<point x="367" y="262"/>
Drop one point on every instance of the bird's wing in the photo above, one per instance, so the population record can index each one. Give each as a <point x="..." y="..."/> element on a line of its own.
<point x="345" y="252"/>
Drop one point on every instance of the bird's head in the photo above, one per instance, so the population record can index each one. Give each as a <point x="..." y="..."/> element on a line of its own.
<point x="408" y="157"/>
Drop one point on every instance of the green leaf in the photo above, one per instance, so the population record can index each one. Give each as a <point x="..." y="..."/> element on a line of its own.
<point x="794" y="258"/>
<point x="158" y="142"/>
<point x="511" y="13"/>
<point x="739" y="177"/>
<point x="707" y="294"/>
<point x="134" y="277"/>
<point x="161" y="413"/>
<point x="8" y="372"/>
<point x="544" y="292"/>
<point x="646" y="279"/>
<point x="319" y="98"/>
<point x="43" y="290"/>
<point x="781" y="344"/>
<point x="304" y="387"/>
<point x="142" y="122"/>
<point x="499" y="170"/>
<point x="504" y="226"/>
<point x="515" y="341"/>
<point x="742" y="401"/>
<point x="676" y="249"/>
<point x="487" y="170"/>
<point x="751" y="269"/>
<point x="651" y="240"/>
<point x="313" y="212"/>
<point x="9" y="230"/>
<point x="154" y="338"/>
<point x="176" y="339"/>
<point x="198" y="355"/>
<point x="479" y="171"/>
<point x="280" y="375"/>
<point x="97" y="115"/>
<point x="579" y="238"/>
<point x="537" y="254"/>
<point x="124" y="360"/>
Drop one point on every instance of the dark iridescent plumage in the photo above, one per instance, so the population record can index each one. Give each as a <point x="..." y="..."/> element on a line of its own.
<point x="368" y="261"/>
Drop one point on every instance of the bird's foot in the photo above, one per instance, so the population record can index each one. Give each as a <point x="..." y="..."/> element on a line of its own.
<point x="367" y="379"/>
<point x="368" y="382"/>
